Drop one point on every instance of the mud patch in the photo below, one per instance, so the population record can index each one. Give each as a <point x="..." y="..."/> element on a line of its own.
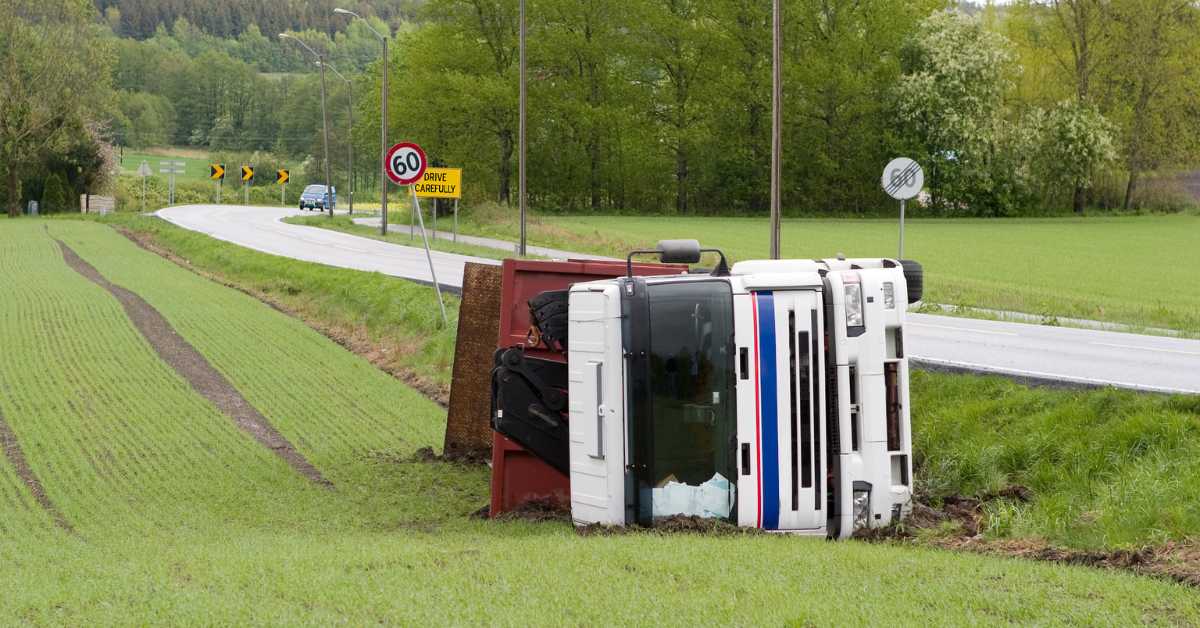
<point x="193" y="367"/>
<point x="956" y="527"/>
<point x="474" y="457"/>
<point x="380" y="353"/>
<point x="16" y="457"/>
<point x="678" y="524"/>
<point x="544" y="509"/>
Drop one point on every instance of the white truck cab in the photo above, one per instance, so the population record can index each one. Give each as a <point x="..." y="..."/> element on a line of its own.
<point x="773" y="395"/>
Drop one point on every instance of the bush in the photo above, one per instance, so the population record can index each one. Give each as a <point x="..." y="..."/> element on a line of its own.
<point x="56" y="196"/>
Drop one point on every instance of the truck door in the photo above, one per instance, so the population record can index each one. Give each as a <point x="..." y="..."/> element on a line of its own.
<point x="781" y="419"/>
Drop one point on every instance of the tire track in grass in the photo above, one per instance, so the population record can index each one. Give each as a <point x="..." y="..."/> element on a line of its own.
<point x="193" y="367"/>
<point x="16" y="458"/>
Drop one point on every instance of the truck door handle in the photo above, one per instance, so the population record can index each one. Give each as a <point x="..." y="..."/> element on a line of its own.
<point x="744" y="362"/>
<point x="745" y="458"/>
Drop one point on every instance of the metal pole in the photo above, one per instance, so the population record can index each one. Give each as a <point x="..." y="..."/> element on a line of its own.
<point x="434" y="202"/>
<point x="412" y="221"/>
<point x="901" y="229"/>
<point x="143" y="194"/>
<point x="282" y="192"/>
<point x="429" y="256"/>
<point x="776" y="123"/>
<point x="325" y="124"/>
<point x="350" y="140"/>
<point x="455" y="220"/>
<point x="383" y="123"/>
<point x="521" y="138"/>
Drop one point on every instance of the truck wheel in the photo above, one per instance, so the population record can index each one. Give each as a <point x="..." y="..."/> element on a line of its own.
<point x="914" y="276"/>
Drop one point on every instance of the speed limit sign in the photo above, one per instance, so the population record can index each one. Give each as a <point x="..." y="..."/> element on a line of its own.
<point x="405" y="163"/>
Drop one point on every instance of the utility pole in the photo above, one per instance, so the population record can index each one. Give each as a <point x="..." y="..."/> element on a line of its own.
<point x="521" y="138"/>
<point x="324" y="118"/>
<point x="383" y="123"/>
<point x="776" y="122"/>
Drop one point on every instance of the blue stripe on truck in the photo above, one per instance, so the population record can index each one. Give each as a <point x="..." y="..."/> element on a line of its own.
<point x="769" y="404"/>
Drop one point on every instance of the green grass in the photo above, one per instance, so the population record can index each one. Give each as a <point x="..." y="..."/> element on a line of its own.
<point x="1107" y="468"/>
<point x="398" y="315"/>
<point x="183" y="519"/>
<point x="195" y="167"/>
<point x="1138" y="270"/>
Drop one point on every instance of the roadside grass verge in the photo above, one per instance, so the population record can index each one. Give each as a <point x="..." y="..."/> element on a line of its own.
<point x="1105" y="469"/>
<point x="1136" y="270"/>
<point x="394" y="322"/>
<point x="346" y="224"/>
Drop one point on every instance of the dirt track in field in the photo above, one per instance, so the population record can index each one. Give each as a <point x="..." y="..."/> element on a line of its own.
<point x="16" y="457"/>
<point x="192" y="366"/>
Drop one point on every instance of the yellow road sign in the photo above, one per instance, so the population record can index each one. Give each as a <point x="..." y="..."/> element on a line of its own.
<point x="247" y="173"/>
<point x="216" y="172"/>
<point x="282" y="176"/>
<point x="440" y="183"/>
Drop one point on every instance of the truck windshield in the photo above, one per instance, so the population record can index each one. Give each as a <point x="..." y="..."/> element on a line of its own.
<point x="692" y="427"/>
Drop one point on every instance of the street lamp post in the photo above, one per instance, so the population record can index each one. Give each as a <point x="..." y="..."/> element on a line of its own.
<point x="521" y="137"/>
<point x="776" y="123"/>
<point x="350" y="136"/>
<point x="383" y="123"/>
<point x="324" y="118"/>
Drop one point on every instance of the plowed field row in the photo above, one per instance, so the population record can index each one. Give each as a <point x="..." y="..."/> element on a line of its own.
<point x="115" y="436"/>
<point x="282" y="367"/>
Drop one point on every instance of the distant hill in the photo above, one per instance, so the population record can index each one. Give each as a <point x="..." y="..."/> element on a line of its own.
<point x="229" y="18"/>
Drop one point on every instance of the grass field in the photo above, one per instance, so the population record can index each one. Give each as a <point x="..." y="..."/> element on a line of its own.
<point x="180" y="518"/>
<point x="1138" y="270"/>
<point x="195" y="164"/>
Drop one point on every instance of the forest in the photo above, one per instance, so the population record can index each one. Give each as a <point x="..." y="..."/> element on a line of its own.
<point x="663" y="106"/>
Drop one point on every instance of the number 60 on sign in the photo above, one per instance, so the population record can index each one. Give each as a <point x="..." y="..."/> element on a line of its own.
<point x="405" y="163"/>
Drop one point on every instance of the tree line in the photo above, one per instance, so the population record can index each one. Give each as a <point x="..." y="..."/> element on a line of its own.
<point x="642" y="106"/>
<point x="140" y="19"/>
<point x="664" y="105"/>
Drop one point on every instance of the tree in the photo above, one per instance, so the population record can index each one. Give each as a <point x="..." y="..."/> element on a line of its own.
<point x="952" y="99"/>
<point x="54" y="71"/>
<point x="1071" y="143"/>
<point x="1155" y="79"/>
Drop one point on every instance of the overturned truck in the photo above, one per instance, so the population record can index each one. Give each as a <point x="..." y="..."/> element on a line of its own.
<point x="771" y="394"/>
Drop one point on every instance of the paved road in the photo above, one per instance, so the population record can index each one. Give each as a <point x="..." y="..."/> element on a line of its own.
<point x="262" y="229"/>
<point x="1034" y="352"/>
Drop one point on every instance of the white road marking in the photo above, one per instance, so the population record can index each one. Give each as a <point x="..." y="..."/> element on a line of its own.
<point x="968" y="331"/>
<point x="1109" y="344"/>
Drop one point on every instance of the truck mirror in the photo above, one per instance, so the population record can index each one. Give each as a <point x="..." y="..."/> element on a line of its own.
<point x="679" y="251"/>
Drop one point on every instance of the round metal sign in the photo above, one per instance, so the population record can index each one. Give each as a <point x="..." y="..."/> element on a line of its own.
<point x="903" y="178"/>
<point x="405" y="163"/>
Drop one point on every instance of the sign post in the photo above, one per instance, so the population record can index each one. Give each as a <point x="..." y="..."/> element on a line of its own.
<point x="902" y="179"/>
<point x="441" y="183"/>
<point x="281" y="177"/>
<point x="406" y="164"/>
<point x="247" y="179"/>
<point x="143" y="172"/>
<point x="216" y="172"/>
<point x="171" y="168"/>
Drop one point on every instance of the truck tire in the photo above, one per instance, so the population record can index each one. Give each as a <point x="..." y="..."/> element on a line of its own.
<point x="914" y="276"/>
<point x="548" y="312"/>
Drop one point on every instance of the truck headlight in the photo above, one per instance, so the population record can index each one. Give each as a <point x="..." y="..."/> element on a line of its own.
<point x="854" y="305"/>
<point x="862" y="508"/>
